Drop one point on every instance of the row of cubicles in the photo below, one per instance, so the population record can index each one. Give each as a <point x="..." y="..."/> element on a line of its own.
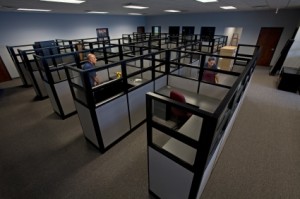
<point x="211" y="46"/>
<point x="181" y="154"/>
<point x="49" y="79"/>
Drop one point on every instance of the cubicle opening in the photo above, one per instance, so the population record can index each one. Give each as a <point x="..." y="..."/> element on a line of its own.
<point x="174" y="32"/>
<point x="188" y="30"/>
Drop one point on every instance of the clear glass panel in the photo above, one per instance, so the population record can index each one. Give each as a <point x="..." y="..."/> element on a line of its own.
<point x="80" y="95"/>
<point x="75" y="77"/>
<point x="227" y="80"/>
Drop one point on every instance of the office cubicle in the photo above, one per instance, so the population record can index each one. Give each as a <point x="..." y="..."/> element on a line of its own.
<point x="15" y="56"/>
<point x="32" y="69"/>
<point x="213" y="45"/>
<point x="110" y="111"/>
<point x="181" y="155"/>
<point x="54" y="77"/>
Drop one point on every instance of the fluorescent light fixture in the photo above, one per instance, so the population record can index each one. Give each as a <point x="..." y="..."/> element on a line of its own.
<point x="34" y="10"/>
<point x="66" y="1"/>
<point x="228" y="7"/>
<point x="172" y="11"/>
<point x="135" y="7"/>
<point x="135" y="14"/>
<point x="207" y="1"/>
<point x="96" y="12"/>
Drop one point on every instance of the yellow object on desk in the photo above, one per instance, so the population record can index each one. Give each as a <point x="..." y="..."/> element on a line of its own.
<point x="119" y="74"/>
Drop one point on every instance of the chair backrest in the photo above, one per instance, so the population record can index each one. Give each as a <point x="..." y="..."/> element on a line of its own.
<point x="177" y="96"/>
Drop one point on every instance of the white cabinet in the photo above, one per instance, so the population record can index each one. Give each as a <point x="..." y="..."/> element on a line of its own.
<point x="224" y="63"/>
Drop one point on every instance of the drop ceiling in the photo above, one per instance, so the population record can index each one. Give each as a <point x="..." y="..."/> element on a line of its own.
<point x="156" y="7"/>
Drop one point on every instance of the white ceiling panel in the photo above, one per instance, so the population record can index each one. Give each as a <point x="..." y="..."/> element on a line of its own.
<point x="156" y="7"/>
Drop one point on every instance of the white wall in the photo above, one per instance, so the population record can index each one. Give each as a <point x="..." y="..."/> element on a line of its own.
<point x="293" y="57"/>
<point x="250" y="21"/>
<point x="26" y="28"/>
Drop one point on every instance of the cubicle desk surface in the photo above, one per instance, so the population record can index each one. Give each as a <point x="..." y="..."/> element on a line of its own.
<point x="203" y="102"/>
<point x="137" y="81"/>
<point x="192" y="129"/>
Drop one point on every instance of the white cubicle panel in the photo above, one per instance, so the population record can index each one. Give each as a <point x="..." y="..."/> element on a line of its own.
<point x="137" y="103"/>
<point x="26" y="74"/>
<point x="51" y="97"/>
<point x="65" y="97"/>
<point x="40" y="84"/>
<point x="58" y="75"/>
<point x="162" y="180"/>
<point x="87" y="123"/>
<point x="107" y="116"/>
<point x="185" y="84"/>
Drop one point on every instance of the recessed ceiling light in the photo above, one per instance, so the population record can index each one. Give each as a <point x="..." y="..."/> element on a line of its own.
<point x="34" y="10"/>
<point x="135" y="14"/>
<point x="172" y="11"/>
<point x="207" y="1"/>
<point x="96" y="12"/>
<point x="228" y="7"/>
<point x="135" y="7"/>
<point x="66" y="1"/>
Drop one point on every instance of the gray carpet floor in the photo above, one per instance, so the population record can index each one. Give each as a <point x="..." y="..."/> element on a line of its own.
<point x="43" y="156"/>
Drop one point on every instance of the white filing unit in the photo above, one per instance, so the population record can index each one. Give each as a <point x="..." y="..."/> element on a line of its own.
<point x="227" y="64"/>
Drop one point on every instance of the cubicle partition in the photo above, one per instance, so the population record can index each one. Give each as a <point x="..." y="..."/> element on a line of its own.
<point x="32" y="69"/>
<point x="110" y="111"/>
<point x="54" y="77"/>
<point x="15" y="56"/>
<point x="213" y="45"/>
<point x="186" y="131"/>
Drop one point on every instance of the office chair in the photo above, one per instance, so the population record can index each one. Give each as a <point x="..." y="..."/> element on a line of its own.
<point x="180" y="116"/>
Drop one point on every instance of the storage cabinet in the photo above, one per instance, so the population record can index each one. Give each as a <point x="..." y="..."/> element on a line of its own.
<point x="224" y="63"/>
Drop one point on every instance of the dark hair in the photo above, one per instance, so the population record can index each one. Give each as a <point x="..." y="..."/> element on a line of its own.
<point x="211" y="59"/>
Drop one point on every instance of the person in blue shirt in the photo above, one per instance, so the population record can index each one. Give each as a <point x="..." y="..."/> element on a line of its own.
<point x="210" y="76"/>
<point x="94" y="80"/>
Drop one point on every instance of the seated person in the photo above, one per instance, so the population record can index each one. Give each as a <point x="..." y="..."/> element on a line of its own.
<point x="94" y="80"/>
<point x="210" y="76"/>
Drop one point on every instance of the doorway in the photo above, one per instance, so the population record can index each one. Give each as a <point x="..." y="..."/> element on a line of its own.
<point x="174" y="33"/>
<point x="4" y="75"/>
<point x="188" y="30"/>
<point x="268" y="39"/>
<point x="156" y="30"/>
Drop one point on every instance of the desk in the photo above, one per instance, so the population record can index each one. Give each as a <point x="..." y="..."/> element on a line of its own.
<point x="203" y="102"/>
<point x="137" y="81"/>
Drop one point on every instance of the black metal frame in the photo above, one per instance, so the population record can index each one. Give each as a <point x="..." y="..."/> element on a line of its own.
<point x="213" y="126"/>
<point x="31" y="65"/>
<point x="15" y="56"/>
<point x="122" y="83"/>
